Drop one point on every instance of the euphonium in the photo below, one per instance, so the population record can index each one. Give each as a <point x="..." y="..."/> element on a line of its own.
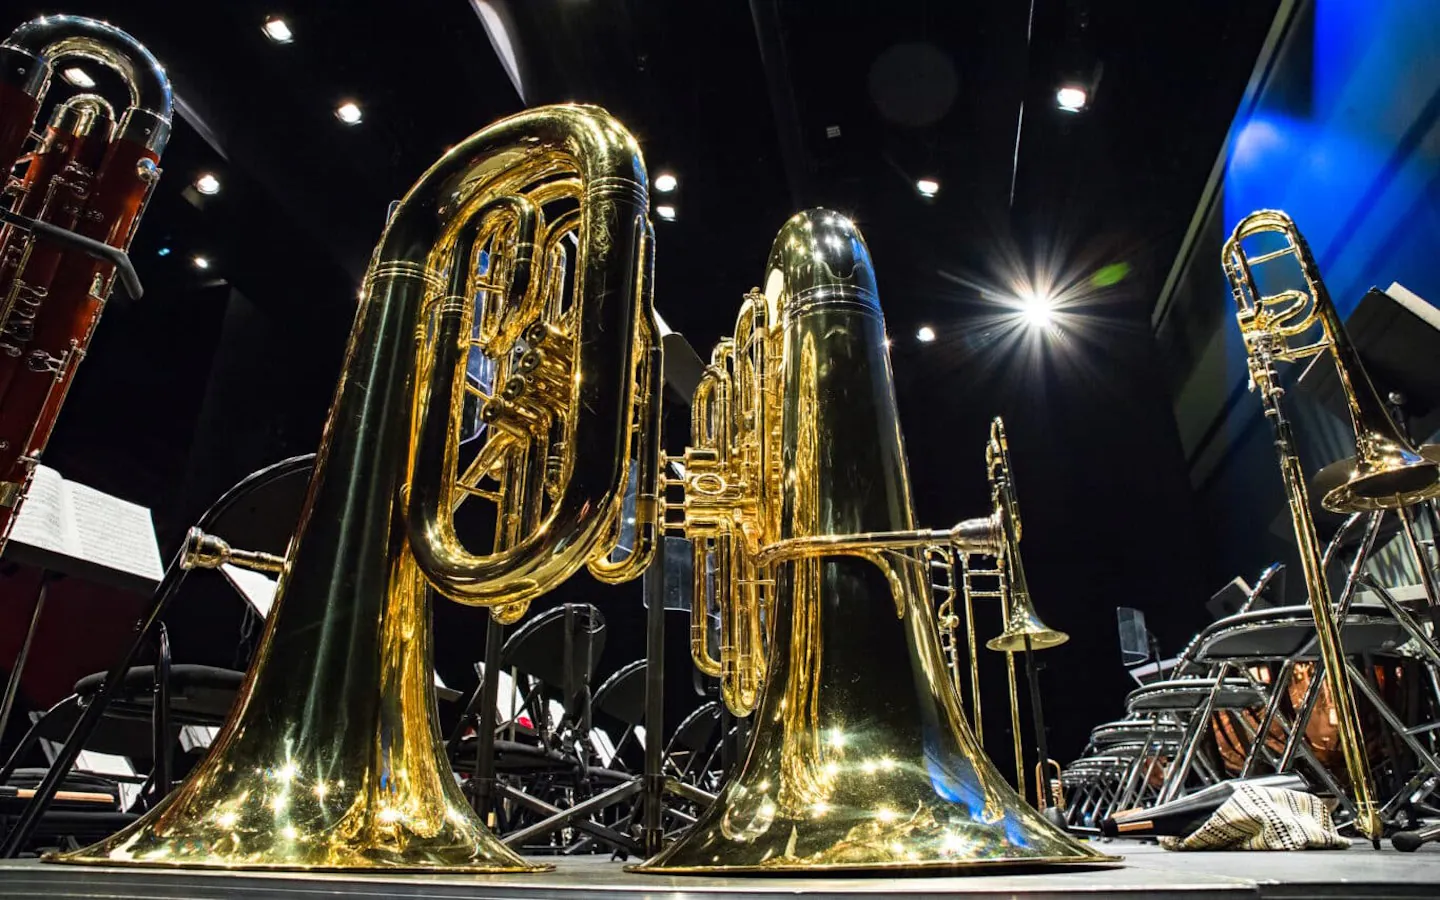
<point x="88" y="178"/>
<point x="859" y="756"/>
<point x="1281" y="326"/>
<point x="509" y="294"/>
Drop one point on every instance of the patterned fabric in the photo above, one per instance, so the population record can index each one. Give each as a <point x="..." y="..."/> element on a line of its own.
<point x="1261" y="818"/>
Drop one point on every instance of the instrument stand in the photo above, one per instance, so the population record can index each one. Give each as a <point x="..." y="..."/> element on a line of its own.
<point x="12" y="684"/>
<point x="653" y="797"/>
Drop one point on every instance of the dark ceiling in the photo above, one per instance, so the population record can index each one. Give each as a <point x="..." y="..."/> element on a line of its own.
<point x="760" y="110"/>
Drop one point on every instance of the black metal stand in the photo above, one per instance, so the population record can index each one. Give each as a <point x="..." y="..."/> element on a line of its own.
<point x="484" y="775"/>
<point x="1042" y="747"/>
<point x="12" y="684"/>
<point x="653" y="584"/>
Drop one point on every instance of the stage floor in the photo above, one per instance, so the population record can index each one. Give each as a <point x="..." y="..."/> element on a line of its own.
<point x="1147" y="871"/>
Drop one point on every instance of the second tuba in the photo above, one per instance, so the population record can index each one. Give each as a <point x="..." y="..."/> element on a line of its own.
<point x="502" y="353"/>
<point x="859" y="757"/>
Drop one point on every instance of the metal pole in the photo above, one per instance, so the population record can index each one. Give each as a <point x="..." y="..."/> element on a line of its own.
<point x="485" y="731"/>
<point x="1042" y="787"/>
<point x="653" y="584"/>
<point x="12" y="685"/>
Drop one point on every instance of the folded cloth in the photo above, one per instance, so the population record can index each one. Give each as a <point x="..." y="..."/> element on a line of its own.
<point x="1262" y="818"/>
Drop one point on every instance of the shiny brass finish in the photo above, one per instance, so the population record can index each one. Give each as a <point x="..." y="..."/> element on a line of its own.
<point x="1388" y="472"/>
<point x="206" y="551"/>
<point x="860" y="757"/>
<point x="1024" y="632"/>
<point x="1050" y="790"/>
<point x="526" y="246"/>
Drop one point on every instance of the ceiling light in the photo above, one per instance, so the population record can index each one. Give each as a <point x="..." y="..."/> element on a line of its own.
<point x="1037" y="310"/>
<point x="928" y="187"/>
<point x="207" y="184"/>
<point x="200" y="262"/>
<point x="925" y="335"/>
<point x="666" y="212"/>
<point x="78" y="77"/>
<point x="277" y="30"/>
<point x="163" y="251"/>
<point x="1072" y="98"/>
<point x="348" y="113"/>
<point x="665" y="182"/>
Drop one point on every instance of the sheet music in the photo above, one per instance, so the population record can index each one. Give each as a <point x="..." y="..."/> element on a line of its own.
<point x="258" y="589"/>
<point x="114" y="533"/>
<point x="42" y="521"/>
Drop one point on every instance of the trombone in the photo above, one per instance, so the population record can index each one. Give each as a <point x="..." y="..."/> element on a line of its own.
<point x="1024" y="632"/>
<point x="1389" y="473"/>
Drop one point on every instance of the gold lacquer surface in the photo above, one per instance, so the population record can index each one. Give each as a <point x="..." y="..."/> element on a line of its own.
<point x="332" y="758"/>
<point x="860" y="756"/>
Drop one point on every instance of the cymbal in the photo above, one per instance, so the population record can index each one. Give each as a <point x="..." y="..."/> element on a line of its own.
<point x="1338" y="472"/>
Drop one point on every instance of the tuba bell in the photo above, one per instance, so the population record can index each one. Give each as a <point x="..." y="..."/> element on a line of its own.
<point x="859" y="756"/>
<point x="502" y="351"/>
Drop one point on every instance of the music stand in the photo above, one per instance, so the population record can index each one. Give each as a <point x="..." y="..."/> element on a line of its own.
<point x="1397" y="334"/>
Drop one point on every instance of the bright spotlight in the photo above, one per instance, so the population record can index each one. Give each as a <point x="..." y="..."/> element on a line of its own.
<point x="665" y="182"/>
<point x="78" y="77"/>
<point x="348" y="112"/>
<point x="207" y="184"/>
<point x="925" y="335"/>
<point x="1037" y="310"/>
<point x="278" y="30"/>
<point x="928" y="187"/>
<point x="665" y="212"/>
<point x="200" y="262"/>
<point x="1072" y="98"/>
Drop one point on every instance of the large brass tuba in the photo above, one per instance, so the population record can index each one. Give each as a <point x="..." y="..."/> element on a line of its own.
<point x="1291" y="324"/>
<point x="510" y="294"/>
<point x="859" y="757"/>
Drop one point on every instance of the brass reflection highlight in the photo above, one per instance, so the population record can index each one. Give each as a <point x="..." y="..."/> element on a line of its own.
<point x="860" y="757"/>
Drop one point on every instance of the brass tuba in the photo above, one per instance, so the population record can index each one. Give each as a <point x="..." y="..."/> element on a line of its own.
<point x="1290" y="325"/>
<point x="502" y="352"/>
<point x="859" y="756"/>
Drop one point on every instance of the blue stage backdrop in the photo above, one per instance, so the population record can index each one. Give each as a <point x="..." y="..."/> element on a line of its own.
<point x="1339" y="129"/>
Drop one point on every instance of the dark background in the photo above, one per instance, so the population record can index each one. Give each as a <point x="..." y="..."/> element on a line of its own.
<point x="217" y="373"/>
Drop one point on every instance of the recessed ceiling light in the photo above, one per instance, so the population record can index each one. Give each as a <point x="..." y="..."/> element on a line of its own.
<point x="78" y="77"/>
<point x="666" y="212"/>
<point x="278" y="30"/>
<point x="348" y="113"/>
<point x="1071" y="98"/>
<point x="207" y="184"/>
<point x="200" y="262"/>
<point x="928" y="187"/>
<point x="925" y="335"/>
<point x="665" y="182"/>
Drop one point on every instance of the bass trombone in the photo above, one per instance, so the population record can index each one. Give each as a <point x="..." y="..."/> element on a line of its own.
<point x="1290" y="325"/>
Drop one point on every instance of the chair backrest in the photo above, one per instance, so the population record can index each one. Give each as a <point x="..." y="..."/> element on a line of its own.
<point x="622" y="695"/>
<point x="573" y="633"/>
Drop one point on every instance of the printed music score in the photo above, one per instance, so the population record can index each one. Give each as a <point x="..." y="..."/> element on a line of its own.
<point x="72" y="528"/>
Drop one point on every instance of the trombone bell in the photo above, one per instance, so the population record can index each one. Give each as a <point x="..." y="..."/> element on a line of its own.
<point x="1024" y="630"/>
